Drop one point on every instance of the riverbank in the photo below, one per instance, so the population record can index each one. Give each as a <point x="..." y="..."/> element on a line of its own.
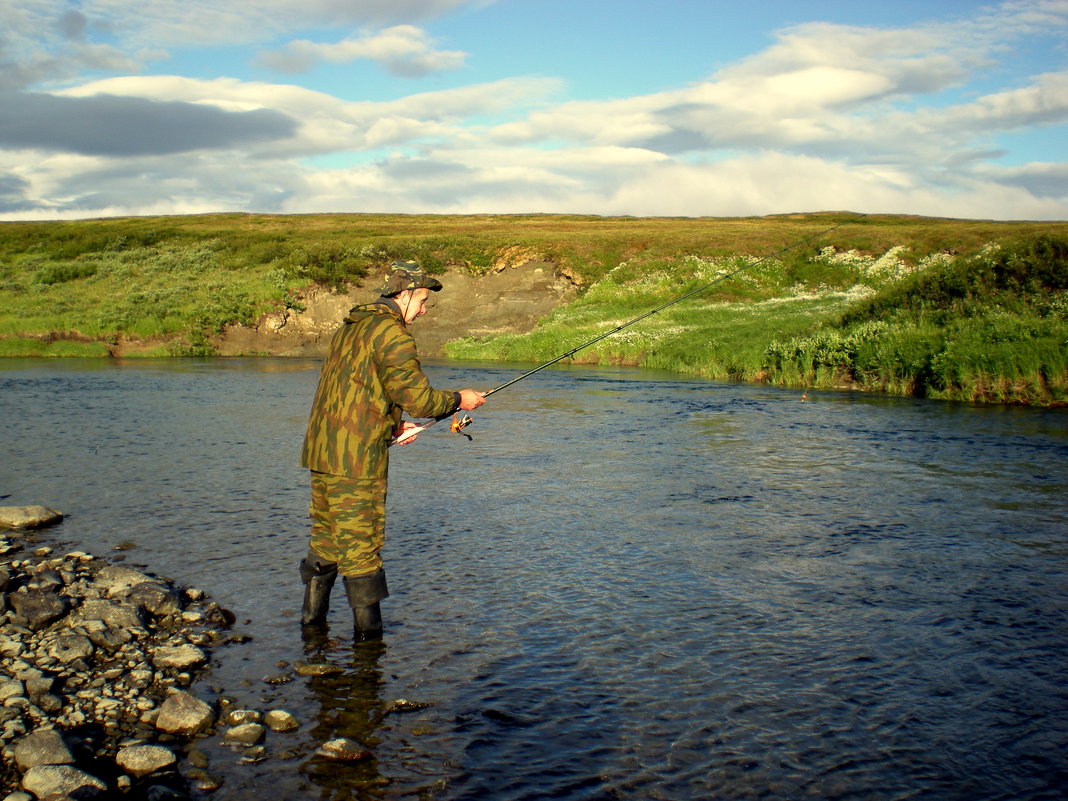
<point x="97" y="662"/>
<point x="824" y="300"/>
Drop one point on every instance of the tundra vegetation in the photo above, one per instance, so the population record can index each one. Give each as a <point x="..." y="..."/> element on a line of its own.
<point x="955" y="309"/>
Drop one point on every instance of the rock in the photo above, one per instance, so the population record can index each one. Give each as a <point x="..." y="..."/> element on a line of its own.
<point x="202" y="781"/>
<point x="141" y="760"/>
<point x="18" y="796"/>
<point x="42" y="747"/>
<point x="245" y="734"/>
<point x="184" y="714"/>
<point x="21" y="517"/>
<point x="60" y="780"/>
<point x="343" y="749"/>
<point x="178" y="656"/>
<point x="114" y="614"/>
<point x="116" y="580"/>
<point x="280" y="720"/>
<point x="68" y="646"/>
<point x="45" y="581"/>
<point x="155" y="598"/>
<point x="36" y="610"/>
<point x="236" y="717"/>
<point x="10" y="689"/>
<point x="318" y="668"/>
<point x="109" y="639"/>
<point x="5" y="579"/>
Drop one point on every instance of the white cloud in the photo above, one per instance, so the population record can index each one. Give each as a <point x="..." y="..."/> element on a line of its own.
<point x="827" y="117"/>
<point x="203" y="22"/>
<point x="403" y="50"/>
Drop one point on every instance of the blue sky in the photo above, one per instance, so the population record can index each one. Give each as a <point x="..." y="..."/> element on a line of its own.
<point x="698" y="108"/>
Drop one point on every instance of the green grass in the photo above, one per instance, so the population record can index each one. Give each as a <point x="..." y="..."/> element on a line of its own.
<point x="880" y="302"/>
<point x="990" y="326"/>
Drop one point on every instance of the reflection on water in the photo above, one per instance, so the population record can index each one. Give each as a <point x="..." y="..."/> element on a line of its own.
<point x="627" y="586"/>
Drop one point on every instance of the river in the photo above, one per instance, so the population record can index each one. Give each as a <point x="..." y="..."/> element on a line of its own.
<point x="627" y="585"/>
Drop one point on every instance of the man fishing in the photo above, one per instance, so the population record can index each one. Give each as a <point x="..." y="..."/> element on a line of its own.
<point x="370" y="376"/>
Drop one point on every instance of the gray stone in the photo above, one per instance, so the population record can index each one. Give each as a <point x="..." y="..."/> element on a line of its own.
<point x="114" y="614"/>
<point x="35" y="610"/>
<point x="281" y="720"/>
<point x="68" y="646"/>
<point x="37" y="687"/>
<point x="20" y="517"/>
<point x="141" y="760"/>
<point x="245" y="734"/>
<point x="157" y="599"/>
<point x="184" y="714"/>
<point x="11" y="688"/>
<point x="60" y="780"/>
<point x="116" y="580"/>
<point x="45" y="581"/>
<point x="109" y="639"/>
<point x="42" y="747"/>
<point x="178" y="656"/>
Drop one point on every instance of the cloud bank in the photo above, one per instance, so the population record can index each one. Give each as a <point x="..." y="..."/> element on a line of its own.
<point x="895" y="120"/>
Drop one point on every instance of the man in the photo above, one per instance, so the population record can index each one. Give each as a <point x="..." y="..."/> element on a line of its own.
<point x="370" y="376"/>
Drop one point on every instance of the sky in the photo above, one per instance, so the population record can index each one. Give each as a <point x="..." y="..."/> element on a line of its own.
<point x="685" y="108"/>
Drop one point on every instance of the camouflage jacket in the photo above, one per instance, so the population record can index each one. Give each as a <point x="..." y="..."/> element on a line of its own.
<point x="371" y="373"/>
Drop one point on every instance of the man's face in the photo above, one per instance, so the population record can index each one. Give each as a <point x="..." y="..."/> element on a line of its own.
<point x="412" y="303"/>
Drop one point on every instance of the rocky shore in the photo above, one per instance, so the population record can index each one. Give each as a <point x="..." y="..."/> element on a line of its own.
<point x="96" y="662"/>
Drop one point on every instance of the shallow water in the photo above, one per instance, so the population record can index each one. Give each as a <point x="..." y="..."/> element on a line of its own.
<point x="627" y="586"/>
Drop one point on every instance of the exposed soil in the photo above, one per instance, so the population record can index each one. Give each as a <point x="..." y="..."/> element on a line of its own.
<point x="510" y="299"/>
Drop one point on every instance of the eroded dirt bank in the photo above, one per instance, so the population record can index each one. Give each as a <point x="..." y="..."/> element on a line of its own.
<point x="510" y="299"/>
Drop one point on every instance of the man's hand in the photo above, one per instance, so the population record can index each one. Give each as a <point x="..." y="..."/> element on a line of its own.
<point x="406" y="433"/>
<point x="471" y="399"/>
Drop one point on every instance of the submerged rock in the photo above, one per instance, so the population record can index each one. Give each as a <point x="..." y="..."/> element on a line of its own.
<point x="343" y="749"/>
<point x="245" y="734"/>
<point x="280" y="720"/>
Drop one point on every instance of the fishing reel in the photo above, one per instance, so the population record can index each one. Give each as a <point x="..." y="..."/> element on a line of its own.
<point x="458" y="425"/>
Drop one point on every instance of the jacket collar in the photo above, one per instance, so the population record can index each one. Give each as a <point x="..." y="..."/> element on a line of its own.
<point x="380" y="306"/>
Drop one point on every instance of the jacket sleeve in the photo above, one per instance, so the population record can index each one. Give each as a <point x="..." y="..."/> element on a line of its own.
<point x="405" y="383"/>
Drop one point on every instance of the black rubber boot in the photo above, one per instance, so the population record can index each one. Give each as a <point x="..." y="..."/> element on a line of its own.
<point x="318" y="576"/>
<point x="364" y="593"/>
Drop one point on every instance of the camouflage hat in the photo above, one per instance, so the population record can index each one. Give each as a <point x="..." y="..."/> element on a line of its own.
<point x="407" y="275"/>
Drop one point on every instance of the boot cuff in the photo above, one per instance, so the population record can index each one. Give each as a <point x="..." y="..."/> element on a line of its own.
<point x="367" y="589"/>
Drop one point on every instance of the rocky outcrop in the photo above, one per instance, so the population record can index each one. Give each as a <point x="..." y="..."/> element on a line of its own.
<point x="510" y="297"/>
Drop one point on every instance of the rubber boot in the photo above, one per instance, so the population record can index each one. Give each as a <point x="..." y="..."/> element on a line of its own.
<point x="318" y="576"/>
<point x="364" y="593"/>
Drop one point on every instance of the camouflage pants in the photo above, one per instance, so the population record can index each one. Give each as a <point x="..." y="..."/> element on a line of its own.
<point x="348" y="517"/>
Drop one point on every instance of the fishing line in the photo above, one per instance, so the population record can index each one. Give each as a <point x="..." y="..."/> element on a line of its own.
<point x="680" y="298"/>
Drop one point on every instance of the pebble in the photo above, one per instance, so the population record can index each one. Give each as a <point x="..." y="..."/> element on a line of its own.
<point x="99" y="648"/>
<point x="280" y="720"/>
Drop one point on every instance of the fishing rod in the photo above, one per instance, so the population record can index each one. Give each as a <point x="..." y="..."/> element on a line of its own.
<point x="459" y="424"/>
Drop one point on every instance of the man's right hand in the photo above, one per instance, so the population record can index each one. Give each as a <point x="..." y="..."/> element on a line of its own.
<point x="471" y="399"/>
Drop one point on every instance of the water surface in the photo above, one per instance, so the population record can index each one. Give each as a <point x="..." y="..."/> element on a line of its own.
<point x="627" y="586"/>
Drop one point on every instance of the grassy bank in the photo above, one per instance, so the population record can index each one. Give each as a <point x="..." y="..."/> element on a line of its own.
<point x="988" y="325"/>
<point x="74" y="288"/>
